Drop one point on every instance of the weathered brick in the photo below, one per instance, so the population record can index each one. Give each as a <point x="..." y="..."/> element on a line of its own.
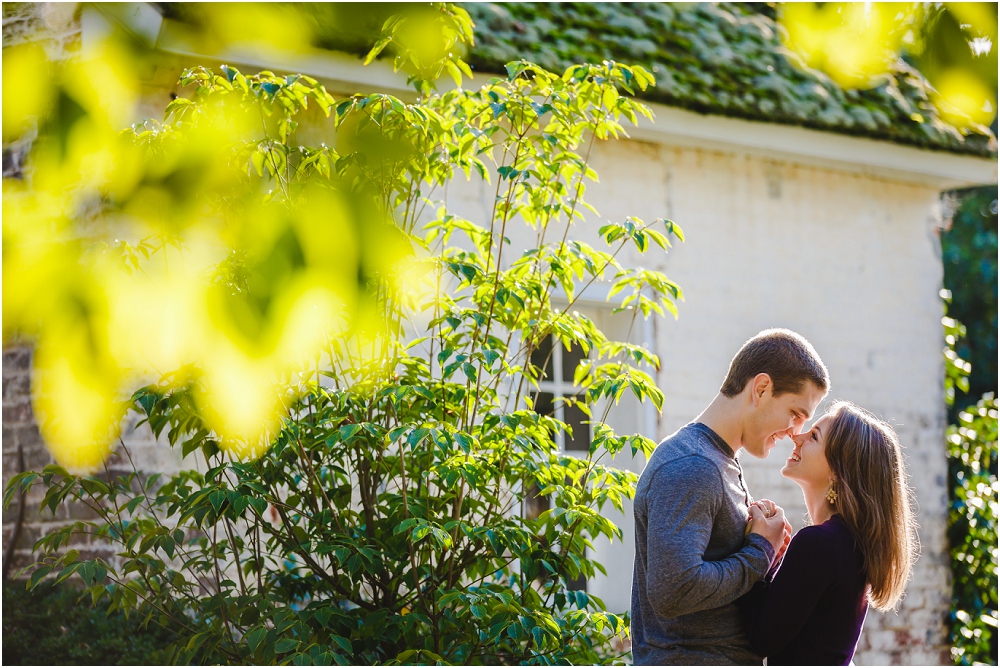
<point x="10" y="460"/>
<point x="37" y="457"/>
<point x="28" y="537"/>
<point x="18" y="413"/>
<point x="9" y="438"/>
<point x="16" y="359"/>
<point x="11" y="512"/>
<point x="20" y="559"/>
<point x="28" y="435"/>
<point x="16" y="387"/>
<point x="81" y="511"/>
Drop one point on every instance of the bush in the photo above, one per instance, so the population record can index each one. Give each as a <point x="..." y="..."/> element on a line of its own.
<point x="973" y="497"/>
<point x="383" y="520"/>
<point x="972" y="455"/>
<point x="57" y="625"/>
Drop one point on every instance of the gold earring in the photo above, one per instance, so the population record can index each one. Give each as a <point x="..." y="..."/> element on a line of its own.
<point x="831" y="494"/>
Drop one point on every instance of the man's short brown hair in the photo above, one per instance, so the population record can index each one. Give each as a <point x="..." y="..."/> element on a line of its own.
<point x="783" y="355"/>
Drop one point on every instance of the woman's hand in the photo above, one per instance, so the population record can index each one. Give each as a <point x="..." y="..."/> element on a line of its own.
<point x="768" y="519"/>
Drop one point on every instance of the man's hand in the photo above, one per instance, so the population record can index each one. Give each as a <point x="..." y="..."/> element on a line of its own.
<point x="768" y="519"/>
<point x="770" y="508"/>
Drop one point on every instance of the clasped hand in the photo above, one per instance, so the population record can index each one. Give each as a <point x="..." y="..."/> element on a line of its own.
<point x="768" y="519"/>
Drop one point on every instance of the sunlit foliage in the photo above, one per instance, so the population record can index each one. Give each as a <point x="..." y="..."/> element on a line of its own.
<point x="208" y="244"/>
<point x="972" y="518"/>
<point x="972" y="453"/>
<point x="857" y="44"/>
<point x="956" y="369"/>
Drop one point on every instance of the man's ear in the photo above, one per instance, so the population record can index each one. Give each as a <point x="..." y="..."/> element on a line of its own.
<point x="759" y="386"/>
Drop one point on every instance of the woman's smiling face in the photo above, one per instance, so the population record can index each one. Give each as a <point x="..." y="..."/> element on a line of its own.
<point x="807" y="462"/>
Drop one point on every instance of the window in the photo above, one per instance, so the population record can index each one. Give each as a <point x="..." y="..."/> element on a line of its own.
<point x="558" y="365"/>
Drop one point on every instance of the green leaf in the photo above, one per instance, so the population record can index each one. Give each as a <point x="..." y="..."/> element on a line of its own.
<point x="254" y="638"/>
<point x="133" y="504"/>
<point x="217" y="498"/>
<point x="405" y="525"/>
<point x="286" y="645"/>
<point x="21" y="481"/>
<point x="343" y="643"/>
<point x="257" y="160"/>
<point x="514" y="68"/>
<point x="347" y="432"/>
<point x="378" y="47"/>
<point x="37" y="576"/>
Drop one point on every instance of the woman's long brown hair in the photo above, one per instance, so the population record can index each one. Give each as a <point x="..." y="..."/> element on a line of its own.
<point x="874" y="498"/>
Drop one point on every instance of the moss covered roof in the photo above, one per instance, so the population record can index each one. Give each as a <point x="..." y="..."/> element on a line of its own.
<point x="723" y="58"/>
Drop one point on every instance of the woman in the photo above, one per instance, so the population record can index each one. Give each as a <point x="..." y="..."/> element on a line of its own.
<point x="858" y="551"/>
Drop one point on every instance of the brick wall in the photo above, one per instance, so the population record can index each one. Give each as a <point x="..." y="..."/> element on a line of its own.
<point x="24" y="449"/>
<point x="25" y="521"/>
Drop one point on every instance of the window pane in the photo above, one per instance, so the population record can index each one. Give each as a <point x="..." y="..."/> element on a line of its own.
<point x="570" y="359"/>
<point x="543" y="403"/>
<point x="534" y="504"/>
<point x="542" y="355"/>
<point x="575" y="418"/>
<point x="578" y="583"/>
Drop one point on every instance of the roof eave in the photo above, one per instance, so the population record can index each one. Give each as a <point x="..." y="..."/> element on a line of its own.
<point x="884" y="159"/>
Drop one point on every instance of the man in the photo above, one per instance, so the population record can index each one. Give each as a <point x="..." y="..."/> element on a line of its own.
<point x="693" y="554"/>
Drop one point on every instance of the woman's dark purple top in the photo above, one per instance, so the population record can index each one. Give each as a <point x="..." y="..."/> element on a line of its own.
<point x="809" y="610"/>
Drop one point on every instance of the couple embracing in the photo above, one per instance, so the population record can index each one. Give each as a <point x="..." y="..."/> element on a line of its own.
<point x="719" y="579"/>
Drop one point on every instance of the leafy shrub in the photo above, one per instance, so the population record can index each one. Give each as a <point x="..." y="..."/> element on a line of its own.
<point x="51" y="625"/>
<point x="972" y="455"/>
<point x="383" y="521"/>
<point x="972" y="518"/>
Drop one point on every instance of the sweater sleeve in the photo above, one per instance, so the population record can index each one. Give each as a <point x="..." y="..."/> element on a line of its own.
<point x="684" y="499"/>
<point x="776" y="609"/>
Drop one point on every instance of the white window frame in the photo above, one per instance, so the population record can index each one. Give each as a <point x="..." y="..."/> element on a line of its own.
<point x="558" y="387"/>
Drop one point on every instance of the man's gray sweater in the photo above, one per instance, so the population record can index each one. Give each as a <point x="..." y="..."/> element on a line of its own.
<point x="692" y="556"/>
